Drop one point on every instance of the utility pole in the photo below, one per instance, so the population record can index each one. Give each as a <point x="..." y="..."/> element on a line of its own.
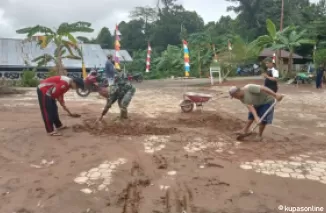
<point x="282" y="16"/>
<point x="280" y="61"/>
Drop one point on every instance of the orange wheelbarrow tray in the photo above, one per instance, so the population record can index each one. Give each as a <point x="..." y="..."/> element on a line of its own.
<point x="190" y="99"/>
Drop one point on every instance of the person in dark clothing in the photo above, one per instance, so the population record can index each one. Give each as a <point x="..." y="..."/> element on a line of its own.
<point x="271" y="75"/>
<point x="122" y="92"/>
<point x="48" y="91"/>
<point x="109" y="70"/>
<point x="320" y="75"/>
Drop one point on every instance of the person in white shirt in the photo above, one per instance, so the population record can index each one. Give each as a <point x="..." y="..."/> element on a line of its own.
<point x="271" y="76"/>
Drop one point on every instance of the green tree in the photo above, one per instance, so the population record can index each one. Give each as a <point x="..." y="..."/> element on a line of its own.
<point x="146" y="14"/>
<point x="249" y="16"/>
<point x="290" y="41"/>
<point x="133" y="37"/>
<point x="172" y="19"/>
<point x="200" y="45"/>
<point x="66" y="44"/>
<point x="320" y="57"/>
<point x="104" y="38"/>
<point x="171" y="62"/>
<point x="85" y="40"/>
<point x="241" y="53"/>
<point x="253" y="13"/>
<point x="272" y="39"/>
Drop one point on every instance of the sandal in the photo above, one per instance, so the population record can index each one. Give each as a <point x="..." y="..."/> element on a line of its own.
<point x="62" y="128"/>
<point x="54" y="134"/>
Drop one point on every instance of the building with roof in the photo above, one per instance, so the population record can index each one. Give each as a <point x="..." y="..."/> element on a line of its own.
<point x="17" y="55"/>
<point x="124" y="55"/>
<point x="298" y="60"/>
<point x="284" y="54"/>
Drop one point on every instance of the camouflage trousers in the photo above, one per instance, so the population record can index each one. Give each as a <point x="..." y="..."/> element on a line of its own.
<point x="125" y="100"/>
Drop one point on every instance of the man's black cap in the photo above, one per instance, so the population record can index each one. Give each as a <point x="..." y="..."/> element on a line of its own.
<point x="79" y="82"/>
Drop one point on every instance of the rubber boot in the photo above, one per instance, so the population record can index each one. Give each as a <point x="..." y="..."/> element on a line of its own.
<point x="123" y="114"/>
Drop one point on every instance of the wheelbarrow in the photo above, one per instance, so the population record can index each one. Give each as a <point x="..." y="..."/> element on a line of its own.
<point x="190" y="99"/>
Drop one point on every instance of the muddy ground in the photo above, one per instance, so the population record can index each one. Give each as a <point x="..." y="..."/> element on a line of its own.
<point x="162" y="160"/>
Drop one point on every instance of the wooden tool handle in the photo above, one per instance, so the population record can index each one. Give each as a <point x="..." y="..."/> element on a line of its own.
<point x="264" y="115"/>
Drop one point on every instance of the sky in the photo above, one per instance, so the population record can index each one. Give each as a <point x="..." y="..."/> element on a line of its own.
<point x="16" y="14"/>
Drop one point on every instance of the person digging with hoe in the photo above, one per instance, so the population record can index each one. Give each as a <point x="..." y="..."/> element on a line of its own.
<point x="121" y="91"/>
<point x="258" y="99"/>
<point x="48" y="91"/>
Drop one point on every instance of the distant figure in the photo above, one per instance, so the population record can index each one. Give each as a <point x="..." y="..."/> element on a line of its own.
<point x="109" y="70"/>
<point x="319" y="76"/>
<point x="271" y="76"/>
<point x="238" y="71"/>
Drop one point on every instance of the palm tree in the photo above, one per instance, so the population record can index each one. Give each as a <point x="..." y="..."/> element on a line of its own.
<point x="66" y="44"/>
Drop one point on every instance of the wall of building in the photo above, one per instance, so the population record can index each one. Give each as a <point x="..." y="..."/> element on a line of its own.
<point x="16" y="73"/>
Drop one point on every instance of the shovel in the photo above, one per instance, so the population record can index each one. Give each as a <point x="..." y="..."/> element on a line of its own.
<point x="242" y="136"/>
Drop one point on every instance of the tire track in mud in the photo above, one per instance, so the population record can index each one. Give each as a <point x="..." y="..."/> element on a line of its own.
<point x="179" y="199"/>
<point x="131" y="195"/>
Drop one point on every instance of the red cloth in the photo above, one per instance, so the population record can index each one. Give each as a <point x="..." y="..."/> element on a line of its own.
<point x="55" y="87"/>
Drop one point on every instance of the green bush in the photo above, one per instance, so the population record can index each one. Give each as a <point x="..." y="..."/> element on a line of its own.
<point x="52" y="72"/>
<point x="29" y="79"/>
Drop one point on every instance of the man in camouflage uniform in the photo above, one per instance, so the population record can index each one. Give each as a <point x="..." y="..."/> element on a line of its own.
<point x="121" y="91"/>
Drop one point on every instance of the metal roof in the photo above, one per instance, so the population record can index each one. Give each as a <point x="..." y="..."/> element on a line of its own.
<point x="124" y="55"/>
<point x="13" y="53"/>
<point x="284" y="54"/>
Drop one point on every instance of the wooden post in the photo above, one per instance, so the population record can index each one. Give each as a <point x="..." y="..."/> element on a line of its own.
<point x="199" y="64"/>
<point x="280" y="61"/>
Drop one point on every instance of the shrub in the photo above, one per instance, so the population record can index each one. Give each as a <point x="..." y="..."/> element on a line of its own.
<point x="29" y="79"/>
<point x="51" y="72"/>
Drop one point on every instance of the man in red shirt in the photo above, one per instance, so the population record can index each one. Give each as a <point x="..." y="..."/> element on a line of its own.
<point x="48" y="91"/>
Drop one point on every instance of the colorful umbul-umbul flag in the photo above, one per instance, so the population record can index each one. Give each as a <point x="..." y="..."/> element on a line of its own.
<point x="229" y="45"/>
<point x="186" y="58"/>
<point x="117" y="48"/>
<point x="215" y="55"/>
<point x="274" y="58"/>
<point x="148" y="59"/>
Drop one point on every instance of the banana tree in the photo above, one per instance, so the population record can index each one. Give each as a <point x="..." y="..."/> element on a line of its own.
<point x="200" y="45"/>
<point x="241" y="53"/>
<point x="66" y="44"/>
<point x="271" y="39"/>
<point x="320" y="57"/>
<point x="290" y="41"/>
<point x="171" y="61"/>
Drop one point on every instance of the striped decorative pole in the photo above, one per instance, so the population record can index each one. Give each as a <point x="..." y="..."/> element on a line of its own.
<point x="148" y="59"/>
<point x="214" y="50"/>
<point x="274" y="58"/>
<point x="84" y="73"/>
<point x="229" y="45"/>
<point x="186" y="58"/>
<point x="117" y="48"/>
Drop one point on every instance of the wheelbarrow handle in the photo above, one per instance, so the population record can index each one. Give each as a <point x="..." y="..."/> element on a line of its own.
<point x="264" y="115"/>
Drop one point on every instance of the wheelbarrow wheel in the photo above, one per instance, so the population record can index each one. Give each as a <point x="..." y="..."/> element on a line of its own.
<point x="187" y="106"/>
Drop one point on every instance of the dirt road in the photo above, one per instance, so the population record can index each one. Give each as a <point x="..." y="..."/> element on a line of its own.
<point x="162" y="160"/>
